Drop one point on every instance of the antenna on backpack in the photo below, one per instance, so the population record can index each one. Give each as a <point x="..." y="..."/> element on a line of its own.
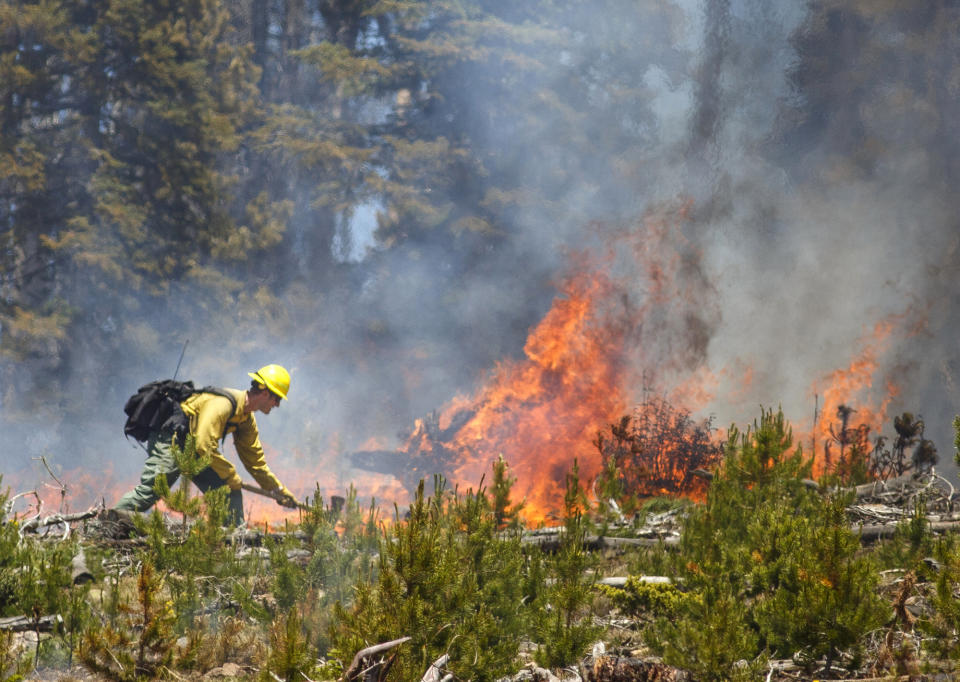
<point x="184" y="350"/>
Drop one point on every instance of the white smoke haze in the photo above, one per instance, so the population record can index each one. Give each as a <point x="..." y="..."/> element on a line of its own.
<point x="801" y="255"/>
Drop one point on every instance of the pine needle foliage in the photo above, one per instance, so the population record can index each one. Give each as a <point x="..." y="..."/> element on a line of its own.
<point x="13" y="665"/>
<point x="141" y="642"/>
<point x="942" y="627"/>
<point x="343" y="542"/>
<point x="505" y="514"/>
<point x="198" y="560"/>
<point x="646" y="600"/>
<point x="35" y="581"/>
<point x="564" y="630"/>
<point x="912" y="542"/>
<point x="222" y="639"/>
<point x="956" y="439"/>
<point x="447" y="578"/>
<point x="203" y="561"/>
<point x="773" y="569"/>
<point x="824" y="597"/>
<point x="290" y="658"/>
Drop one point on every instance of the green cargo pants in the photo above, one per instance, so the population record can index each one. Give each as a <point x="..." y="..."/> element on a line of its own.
<point x="160" y="461"/>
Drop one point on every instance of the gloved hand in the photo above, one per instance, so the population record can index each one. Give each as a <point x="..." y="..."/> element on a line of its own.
<point x="286" y="498"/>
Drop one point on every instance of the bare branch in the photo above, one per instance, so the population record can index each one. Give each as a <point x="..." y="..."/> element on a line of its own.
<point x="49" y="471"/>
<point x="356" y="665"/>
<point x="434" y="671"/>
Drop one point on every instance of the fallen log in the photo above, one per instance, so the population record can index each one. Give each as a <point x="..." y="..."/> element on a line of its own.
<point x="872" y="489"/>
<point x="36" y="523"/>
<point x="26" y="623"/>
<point x="255" y="536"/>
<point x="874" y="532"/>
<point x="551" y="543"/>
<point x="877" y="487"/>
<point x="621" y="581"/>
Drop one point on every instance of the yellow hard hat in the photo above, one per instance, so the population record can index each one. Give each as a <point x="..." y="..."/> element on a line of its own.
<point x="274" y="377"/>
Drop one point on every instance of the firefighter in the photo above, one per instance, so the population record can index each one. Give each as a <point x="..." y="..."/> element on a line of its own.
<point x="210" y="417"/>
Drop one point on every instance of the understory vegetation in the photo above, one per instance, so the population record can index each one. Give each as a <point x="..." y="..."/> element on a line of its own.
<point x="767" y="568"/>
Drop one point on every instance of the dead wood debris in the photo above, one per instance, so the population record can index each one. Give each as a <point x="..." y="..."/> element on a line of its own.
<point x="370" y="665"/>
<point x="25" y="623"/>
<point x="876" y="512"/>
<point x="628" y="669"/>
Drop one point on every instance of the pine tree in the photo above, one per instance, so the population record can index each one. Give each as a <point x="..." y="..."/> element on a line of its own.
<point x="565" y="628"/>
<point x="141" y="643"/>
<point x="289" y="658"/>
<point x="42" y="152"/>
<point x="823" y="598"/>
<point x="773" y="570"/>
<point x="506" y="514"/>
<point x="449" y="580"/>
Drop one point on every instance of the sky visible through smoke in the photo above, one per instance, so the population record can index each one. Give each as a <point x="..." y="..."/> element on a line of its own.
<point x="799" y="258"/>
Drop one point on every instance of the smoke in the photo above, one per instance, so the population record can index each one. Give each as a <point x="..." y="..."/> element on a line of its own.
<point x="818" y="170"/>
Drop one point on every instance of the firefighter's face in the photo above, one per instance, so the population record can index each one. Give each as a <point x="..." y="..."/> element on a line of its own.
<point x="264" y="401"/>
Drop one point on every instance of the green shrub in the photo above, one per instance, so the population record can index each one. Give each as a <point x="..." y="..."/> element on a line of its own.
<point x="942" y="626"/>
<point x="290" y="658"/>
<point x="448" y="579"/>
<point x="140" y="643"/>
<point x="642" y="599"/>
<point x="564" y="629"/>
<point x="774" y="568"/>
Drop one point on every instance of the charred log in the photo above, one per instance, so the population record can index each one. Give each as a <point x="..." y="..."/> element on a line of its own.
<point x="427" y="451"/>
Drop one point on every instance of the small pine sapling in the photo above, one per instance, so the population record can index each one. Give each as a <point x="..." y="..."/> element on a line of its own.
<point x="42" y="580"/>
<point x="448" y="579"/>
<point x="609" y="489"/>
<point x="13" y="665"/>
<point x="565" y="630"/>
<point x="824" y="598"/>
<point x="715" y="560"/>
<point x="956" y="439"/>
<point x="506" y="514"/>
<point x="288" y="579"/>
<point x="289" y="658"/>
<point x="141" y="642"/>
<point x="942" y="627"/>
<point x="190" y="464"/>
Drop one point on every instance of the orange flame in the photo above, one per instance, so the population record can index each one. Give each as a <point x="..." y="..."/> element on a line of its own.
<point x="584" y="366"/>
<point x="853" y="387"/>
<point x="577" y="375"/>
<point x="543" y="412"/>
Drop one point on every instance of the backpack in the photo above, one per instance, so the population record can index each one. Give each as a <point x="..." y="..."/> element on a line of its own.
<point x="155" y="408"/>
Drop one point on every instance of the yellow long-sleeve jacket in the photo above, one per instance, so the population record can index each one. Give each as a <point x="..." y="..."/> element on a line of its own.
<point x="211" y="416"/>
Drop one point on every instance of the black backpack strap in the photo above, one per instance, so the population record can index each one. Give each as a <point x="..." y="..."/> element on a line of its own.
<point x="226" y="394"/>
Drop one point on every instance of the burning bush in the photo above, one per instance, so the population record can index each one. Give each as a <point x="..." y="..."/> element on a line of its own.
<point x="655" y="450"/>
